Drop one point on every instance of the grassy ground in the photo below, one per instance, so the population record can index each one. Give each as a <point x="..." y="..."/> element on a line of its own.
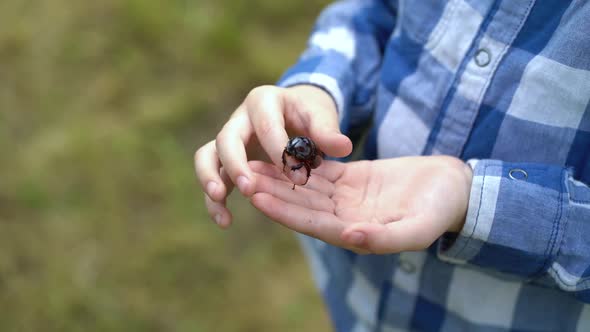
<point x="102" y="226"/>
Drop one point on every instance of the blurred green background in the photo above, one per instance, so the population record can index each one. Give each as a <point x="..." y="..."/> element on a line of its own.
<point x="102" y="225"/>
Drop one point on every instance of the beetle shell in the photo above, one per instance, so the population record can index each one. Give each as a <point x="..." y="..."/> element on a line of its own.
<point x="303" y="149"/>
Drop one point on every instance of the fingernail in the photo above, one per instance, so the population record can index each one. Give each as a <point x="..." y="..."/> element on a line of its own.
<point x="243" y="183"/>
<point x="357" y="238"/>
<point x="218" y="219"/>
<point x="211" y="186"/>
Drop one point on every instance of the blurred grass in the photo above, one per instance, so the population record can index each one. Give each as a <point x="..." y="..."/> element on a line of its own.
<point x="102" y="226"/>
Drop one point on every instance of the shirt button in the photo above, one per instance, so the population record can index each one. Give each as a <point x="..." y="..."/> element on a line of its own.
<point x="483" y="57"/>
<point x="518" y="174"/>
<point x="406" y="266"/>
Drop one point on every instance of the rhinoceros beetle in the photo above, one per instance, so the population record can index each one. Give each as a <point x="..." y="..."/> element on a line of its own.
<point x="305" y="152"/>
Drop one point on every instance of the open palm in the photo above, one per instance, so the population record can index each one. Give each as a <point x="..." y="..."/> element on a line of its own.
<point x="381" y="206"/>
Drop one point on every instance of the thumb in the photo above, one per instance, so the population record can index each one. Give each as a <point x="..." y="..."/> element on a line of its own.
<point x="319" y="118"/>
<point x="325" y="131"/>
<point x="393" y="237"/>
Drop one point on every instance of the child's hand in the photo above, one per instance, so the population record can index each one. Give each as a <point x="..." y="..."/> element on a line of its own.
<point x="382" y="206"/>
<point x="263" y="120"/>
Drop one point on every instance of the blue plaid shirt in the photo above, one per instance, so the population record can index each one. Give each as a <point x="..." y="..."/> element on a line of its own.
<point x="505" y="83"/>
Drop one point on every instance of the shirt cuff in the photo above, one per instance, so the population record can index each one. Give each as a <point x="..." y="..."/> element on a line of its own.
<point x="514" y="219"/>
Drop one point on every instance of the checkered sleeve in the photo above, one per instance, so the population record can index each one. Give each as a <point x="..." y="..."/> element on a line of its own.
<point x="344" y="54"/>
<point x="532" y="220"/>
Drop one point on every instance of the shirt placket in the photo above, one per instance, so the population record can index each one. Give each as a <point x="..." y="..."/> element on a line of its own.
<point x="476" y="73"/>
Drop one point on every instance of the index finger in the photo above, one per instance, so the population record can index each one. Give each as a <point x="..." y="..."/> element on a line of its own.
<point x="265" y="110"/>
<point x="231" y="147"/>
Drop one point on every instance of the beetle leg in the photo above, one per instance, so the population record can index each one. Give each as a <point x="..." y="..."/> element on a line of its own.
<point x="296" y="167"/>
<point x="299" y="166"/>
<point x="317" y="161"/>
<point x="293" y="169"/>
<point x="308" y="169"/>
<point x="284" y="160"/>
